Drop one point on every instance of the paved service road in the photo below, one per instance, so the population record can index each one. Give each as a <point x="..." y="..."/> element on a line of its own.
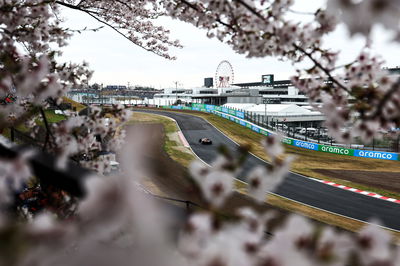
<point x="295" y="186"/>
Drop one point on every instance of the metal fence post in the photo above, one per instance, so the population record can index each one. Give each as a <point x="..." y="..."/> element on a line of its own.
<point x="305" y="137"/>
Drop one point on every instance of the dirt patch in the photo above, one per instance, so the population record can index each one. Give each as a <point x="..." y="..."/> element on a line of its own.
<point x="170" y="179"/>
<point x="385" y="180"/>
<point x="164" y="173"/>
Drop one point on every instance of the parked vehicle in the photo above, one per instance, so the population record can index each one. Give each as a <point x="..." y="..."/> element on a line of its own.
<point x="310" y="131"/>
<point x="297" y="129"/>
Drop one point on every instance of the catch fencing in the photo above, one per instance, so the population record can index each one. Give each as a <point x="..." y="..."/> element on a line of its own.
<point x="238" y="117"/>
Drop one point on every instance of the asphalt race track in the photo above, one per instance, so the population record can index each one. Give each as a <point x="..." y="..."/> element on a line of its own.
<point x="295" y="186"/>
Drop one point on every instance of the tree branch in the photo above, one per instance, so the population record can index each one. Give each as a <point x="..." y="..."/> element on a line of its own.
<point x="217" y="19"/>
<point x="301" y="12"/>
<point x="48" y="131"/>
<point x="25" y="116"/>
<point x="252" y="10"/>
<point x="395" y="87"/>
<point x="326" y="71"/>
<point x="91" y="13"/>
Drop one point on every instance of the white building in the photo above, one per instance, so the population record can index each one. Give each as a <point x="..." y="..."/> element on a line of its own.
<point x="280" y="112"/>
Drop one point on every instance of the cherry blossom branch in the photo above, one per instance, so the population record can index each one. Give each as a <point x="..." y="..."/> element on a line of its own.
<point x="252" y="10"/>
<point x="86" y="29"/>
<point x="21" y="119"/>
<point x="216" y="19"/>
<point x="4" y="8"/>
<point x="90" y="13"/>
<point x="158" y="41"/>
<point x="394" y="88"/>
<point x="344" y="65"/>
<point x="301" y="12"/>
<point x="318" y="64"/>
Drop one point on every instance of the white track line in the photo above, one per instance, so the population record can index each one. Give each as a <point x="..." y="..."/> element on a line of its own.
<point x="365" y="193"/>
<point x="272" y="193"/>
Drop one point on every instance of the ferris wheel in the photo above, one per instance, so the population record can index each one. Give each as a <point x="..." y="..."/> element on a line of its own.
<point x="223" y="75"/>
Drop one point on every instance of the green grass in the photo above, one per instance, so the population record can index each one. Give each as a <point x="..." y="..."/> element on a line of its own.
<point x="50" y="115"/>
<point x="306" y="160"/>
<point x="54" y="118"/>
<point x="7" y="131"/>
<point x="241" y="135"/>
<point x="51" y="118"/>
<point x="76" y="105"/>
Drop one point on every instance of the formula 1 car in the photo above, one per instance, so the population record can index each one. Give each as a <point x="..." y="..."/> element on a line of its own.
<point x="205" y="141"/>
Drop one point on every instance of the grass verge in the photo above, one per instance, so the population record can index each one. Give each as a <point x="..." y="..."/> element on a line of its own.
<point x="307" y="160"/>
<point x="172" y="144"/>
<point x="51" y="118"/>
<point x="78" y="107"/>
<point x="173" y="150"/>
<point x="313" y="213"/>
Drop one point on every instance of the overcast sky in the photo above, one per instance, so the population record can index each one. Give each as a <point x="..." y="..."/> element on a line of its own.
<point x="117" y="61"/>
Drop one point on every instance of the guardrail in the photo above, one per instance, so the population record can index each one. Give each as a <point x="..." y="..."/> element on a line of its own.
<point x="239" y="118"/>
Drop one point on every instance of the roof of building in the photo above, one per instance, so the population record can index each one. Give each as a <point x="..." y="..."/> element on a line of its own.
<point x="258" y="84"/>
<point x="271" y="108"/>
<point x="286" y="83"/>
<point x="243" y="106"/>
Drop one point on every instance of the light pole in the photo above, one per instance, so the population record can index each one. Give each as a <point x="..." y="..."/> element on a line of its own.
<point x="127" y="90"/>
<point x="176" y="91"/>
<point x="265" y="101"/>
<point x="265" y="113"/>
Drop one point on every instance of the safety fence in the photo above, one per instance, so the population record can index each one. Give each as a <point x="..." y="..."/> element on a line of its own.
<point x="239" y="118"/>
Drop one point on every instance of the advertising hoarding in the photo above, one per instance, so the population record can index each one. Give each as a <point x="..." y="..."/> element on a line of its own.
<point x="255" y="129"/>
<point x="336" y="150"/>
<point x="209" y="107"/>
<point x="294" y="142"/>
<point x="287" y="141"/>
<point x="376" y="155"/>
<point x="305" y="145"/>
<point x="240" y="114"/>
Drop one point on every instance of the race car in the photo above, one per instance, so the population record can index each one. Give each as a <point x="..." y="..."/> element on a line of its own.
<point x="205" y="141"/>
